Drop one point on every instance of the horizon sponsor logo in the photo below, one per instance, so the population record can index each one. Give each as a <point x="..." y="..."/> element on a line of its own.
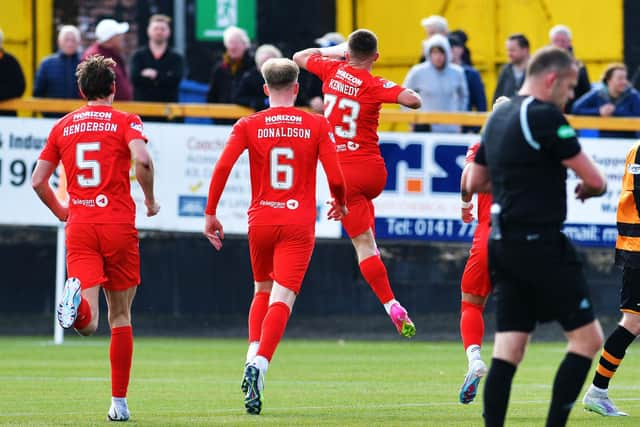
<point x="96" y="115"/>
<point x="282" y="118"/>
<point x="348" y="77"/>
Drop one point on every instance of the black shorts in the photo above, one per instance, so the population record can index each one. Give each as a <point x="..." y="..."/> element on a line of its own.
<point x="630" y="293"/>
<point x="538" y="280"/>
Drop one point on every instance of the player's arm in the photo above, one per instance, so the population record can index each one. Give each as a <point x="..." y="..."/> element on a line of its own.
<point x="592" y="182"/>
<point x="466" y="206"/>
<point x="409" y="98"/>
<point x="213" y="229"/>
<point x="329" y="160"/>
<point x="302" y="56"/>
<point x="40" y="182"/>
<point x="143" y="166"/>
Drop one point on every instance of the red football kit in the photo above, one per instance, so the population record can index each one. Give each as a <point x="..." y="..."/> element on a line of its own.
<point x="284" y="146"/>
<point x="475" y="278"/>
<point x="352" y="101"/>
<point x="102" y="242"/>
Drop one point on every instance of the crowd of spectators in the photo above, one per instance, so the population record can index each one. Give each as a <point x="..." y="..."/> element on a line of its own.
<point x="444" y="78"/>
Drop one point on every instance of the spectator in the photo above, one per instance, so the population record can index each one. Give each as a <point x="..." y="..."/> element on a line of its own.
<point x="466" y="53"/>
<point x="434" y="24"/>
<point x="11" y="77"/>
<point x="615" y="98"/>
<point x="228" y="71"/>
<point x="560" y="36"/>
<point x="156" y="69"/>
<point x="477" y="97"/>
<point x="512" y="74"/>
<point x="56" y="76"/>
<point x="441" y="85"/>
<point x="250" y="90"/>
<point x="110" y="43"/>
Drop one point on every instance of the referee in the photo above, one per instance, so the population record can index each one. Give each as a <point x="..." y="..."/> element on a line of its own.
<point x="526" y="149"/>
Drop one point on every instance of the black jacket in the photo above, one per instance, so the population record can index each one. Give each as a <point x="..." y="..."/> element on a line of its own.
<point x="224" y="80"/>
<point x="507" y="84"/>
<point x="164" y="88"/>
<point x="12" y="83"/>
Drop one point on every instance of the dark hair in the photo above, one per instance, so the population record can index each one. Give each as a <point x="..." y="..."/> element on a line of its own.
<point x="96" y="76"/>
<point x="611" y="68"/>
<point x="522" y="40"/>
<point x="279" y="73"/>
<point x="549" y="58"/>
<point x="363" y="44"/>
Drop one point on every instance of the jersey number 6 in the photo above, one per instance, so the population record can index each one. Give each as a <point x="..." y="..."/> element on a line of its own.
<point x="281" y="174"/>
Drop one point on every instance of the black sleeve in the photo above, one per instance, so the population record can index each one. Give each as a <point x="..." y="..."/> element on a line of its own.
<point x="481" y="158"/>
<point x="213" y="96"/>
<point x="551" y="130"/>
<point x="136" y="67"/>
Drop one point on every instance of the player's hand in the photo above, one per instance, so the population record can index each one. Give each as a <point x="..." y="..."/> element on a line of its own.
<point x="336" y="211"/>
<point x="152" y="207"/>
<point x="213" y="231"/>
<point x="63" y="213"/>
<point x="466" y="214"/>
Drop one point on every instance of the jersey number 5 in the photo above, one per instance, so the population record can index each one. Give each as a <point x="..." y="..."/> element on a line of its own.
<point x="93" y="165"/>
<point x="281" y="174"/>
<point x="330" y="102"/>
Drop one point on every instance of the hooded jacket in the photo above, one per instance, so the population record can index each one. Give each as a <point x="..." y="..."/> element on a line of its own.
<point x="440" y="90"/>
<point x="626" y="105"/>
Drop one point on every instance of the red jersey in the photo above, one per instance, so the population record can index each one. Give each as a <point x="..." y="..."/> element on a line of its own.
<point x="352" y="101"/>
<point x="484" y="199"/>
<point x="284" y="146"/>
<point x="93" y="144"/>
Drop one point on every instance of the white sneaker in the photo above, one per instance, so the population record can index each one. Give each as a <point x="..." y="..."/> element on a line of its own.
<point x="69" y="303"/>
<point x="601" y="404"/>
<point x="469" y="389"/>
<point x="118" y="412"/>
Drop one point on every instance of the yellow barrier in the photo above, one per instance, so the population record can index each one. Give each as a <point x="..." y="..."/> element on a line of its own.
<point x="231" y="111"/>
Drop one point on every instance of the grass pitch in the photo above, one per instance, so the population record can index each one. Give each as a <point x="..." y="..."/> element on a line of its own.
<point x="197" y="382"/>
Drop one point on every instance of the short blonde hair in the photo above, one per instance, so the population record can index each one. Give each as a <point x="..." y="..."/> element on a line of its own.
<point x="280" y="73"/>
<point x="266" y="51"/>
<point x="232" y="32"/>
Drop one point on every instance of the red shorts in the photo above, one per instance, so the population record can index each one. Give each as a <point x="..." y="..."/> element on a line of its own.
<point x="281" y="253"/>
<point x="475" y="279"/>
<point x="103" y="254"/>
<point x="364" y="183"/>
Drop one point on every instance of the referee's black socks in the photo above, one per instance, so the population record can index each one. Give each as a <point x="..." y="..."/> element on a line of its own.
<point x="612" y="355"/>
<point x="569" y="380"/>
<point x="496" y="392"/>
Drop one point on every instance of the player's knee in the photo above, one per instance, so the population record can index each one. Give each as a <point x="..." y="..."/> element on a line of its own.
<point x="119" y="319"/>
<point x="90" y="329"/>
<point x="631" y="322"/>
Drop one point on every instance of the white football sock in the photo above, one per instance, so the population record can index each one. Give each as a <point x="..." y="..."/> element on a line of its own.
<point x="119" y="401"/>
<point x="252" y="351"/>
<point x="261" y="363"/>
<point x="473" y="352"/>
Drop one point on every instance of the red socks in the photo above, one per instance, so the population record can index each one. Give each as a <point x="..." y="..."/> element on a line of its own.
<point x="471" y="324"/>
<point x="257" y="312"/>
<point x="273" y="328"/>
<point x="375" y="274"/>
<point x="84" y="315"/>
<point x="120" y="353"/>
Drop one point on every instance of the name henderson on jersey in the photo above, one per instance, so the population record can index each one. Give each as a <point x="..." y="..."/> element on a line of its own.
<point x="89" y="127"/>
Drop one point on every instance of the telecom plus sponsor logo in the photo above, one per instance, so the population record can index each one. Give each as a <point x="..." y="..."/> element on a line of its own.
<point x="95" y="115"/>
<point x="100" y="201"/>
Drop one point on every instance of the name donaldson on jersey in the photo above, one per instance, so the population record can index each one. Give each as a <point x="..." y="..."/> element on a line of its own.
<point x="90" y="127"/>
<point x="284" y="132"/>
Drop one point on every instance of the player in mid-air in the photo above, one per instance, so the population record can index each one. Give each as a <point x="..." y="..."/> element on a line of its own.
<point x="475" y="285"/>
<point x="284" y="145"/>
<point x="96" y="144"/>
<point x="352" y="100"/>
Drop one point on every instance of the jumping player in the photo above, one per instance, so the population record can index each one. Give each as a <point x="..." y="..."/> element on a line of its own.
<point x="96" y="145"/>
<point x="352" y="101"/>
<point x="284" y="146"/>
